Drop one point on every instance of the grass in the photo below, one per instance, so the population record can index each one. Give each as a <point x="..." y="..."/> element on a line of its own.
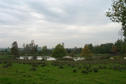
<point x="50" y="74"/>
<point x="5" y="56"/>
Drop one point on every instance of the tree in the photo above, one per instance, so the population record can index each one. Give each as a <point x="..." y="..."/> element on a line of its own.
<point x="59" y="51"/>
<point x="90" y="46"/>
<point x="118" y="14"/>
<point x="119" y="44"/>
<point x="114" y="49"/>
<point x="123" y="47"/>
<point x="72" y="53"/>
<point x="86" y="52"/>
<point x="103" y="48"/>
<point x="14" y="49"/>
<point x="106" y="48"/>
<point x="44" y="50"/>
<point x="30" y="48"/>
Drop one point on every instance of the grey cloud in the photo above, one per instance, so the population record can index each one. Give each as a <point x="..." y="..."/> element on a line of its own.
<point x="77" y="12"/>
<point x="74" y="22"/>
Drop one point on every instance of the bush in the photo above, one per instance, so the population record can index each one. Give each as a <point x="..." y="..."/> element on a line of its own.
<point x="95" y="69"/>
<point x="74" y="70"/>
<point x="33" y="69"/>
<point x="84" y="71"/>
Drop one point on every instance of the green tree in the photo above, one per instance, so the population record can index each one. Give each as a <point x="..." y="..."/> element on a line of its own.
<point x="114" y="49"/>
<point x="31" y="48"/>
<point x="119" y="46"/>
<point x="90" y="46"/>
<point x="86" y="52"/>
<point x="59" y="51"/>
<point x="44" y="50"/>
<point x="72" y="53"/>
<point x="118" y="14"/>
<point x="123" y="47"/>
<point x="14" y="49"/>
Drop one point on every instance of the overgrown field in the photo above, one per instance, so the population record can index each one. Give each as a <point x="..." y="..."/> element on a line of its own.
<point x="104" y="72"/>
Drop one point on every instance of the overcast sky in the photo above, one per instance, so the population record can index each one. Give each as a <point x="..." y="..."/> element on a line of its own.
<point x="48" y="22"/>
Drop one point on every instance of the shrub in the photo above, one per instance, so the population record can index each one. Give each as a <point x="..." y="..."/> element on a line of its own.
<point x="61" y="67"/>
<point x="85" y="71"/>
<point x="74" y="70"/>
<point x="95" y="69"/>
<point x="33" y="69"/>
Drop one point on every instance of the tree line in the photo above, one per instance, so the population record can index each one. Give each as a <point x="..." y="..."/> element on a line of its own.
<point x="32" y="49"/>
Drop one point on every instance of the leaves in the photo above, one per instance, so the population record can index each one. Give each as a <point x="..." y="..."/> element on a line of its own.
<point x="86" y="52"/>
<point x="14" y="49"/>
<point x="118" y="13"/>
<point x="59" y="51"/>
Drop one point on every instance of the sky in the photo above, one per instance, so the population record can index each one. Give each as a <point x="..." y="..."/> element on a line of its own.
<point x="49" y="22"/>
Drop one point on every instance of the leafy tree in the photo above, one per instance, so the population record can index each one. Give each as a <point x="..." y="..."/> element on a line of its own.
<point x="14" y="49"/>
<point x="103" y="48"/>
<point x="118" y="45"/>
<point x="31" y="48"/>
<point x="123" y="47"/>
<point x="72" y="53"/>
<point x="86" y="52"/>
<point x="106" y="48"/>
<point x="90" y="46"/>
<point x="118" y="14"/>
<point x="44" y="50"/>
<point x="59" y="51"/>
<point x="114" y="49"/>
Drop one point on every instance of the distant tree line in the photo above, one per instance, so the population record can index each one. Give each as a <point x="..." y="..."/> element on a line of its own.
<point x="32" y="49"/>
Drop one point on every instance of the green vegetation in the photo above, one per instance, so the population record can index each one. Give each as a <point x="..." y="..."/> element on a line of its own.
<point x="118" y="14"/>
<point x="30" y="49"/>
<point x="14" y="49"/>
<point x="44" y="50"/>
<point x="59" y="51"/>
<point x="86" y="52"/>
<point x="62" y="73"/>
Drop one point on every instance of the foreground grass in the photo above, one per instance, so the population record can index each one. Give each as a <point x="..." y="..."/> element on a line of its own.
<point x="49" y="74"/>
